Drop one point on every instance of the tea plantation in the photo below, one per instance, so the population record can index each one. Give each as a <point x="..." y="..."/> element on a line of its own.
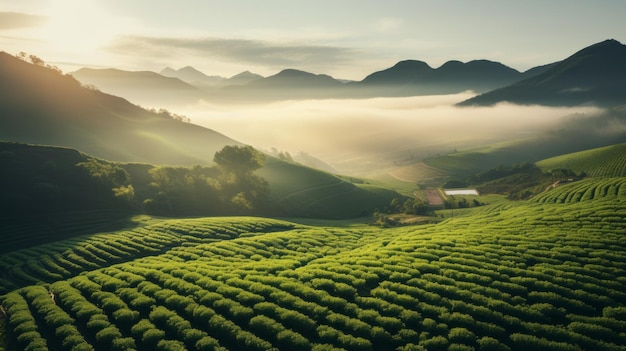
<point x="543" y="274"/>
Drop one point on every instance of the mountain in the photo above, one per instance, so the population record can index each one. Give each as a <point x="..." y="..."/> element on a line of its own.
<point x="537" y="70"/>
<point x="292" y="78"/>
<point x="594" y="75"/>
<point x="192" y="76"/>
<point x="143" y="87"/>
<point x="242" y="78"/>
<point x="287" y="84"/>
<point x="411" y="77"/>
<point x="41" y="106"/>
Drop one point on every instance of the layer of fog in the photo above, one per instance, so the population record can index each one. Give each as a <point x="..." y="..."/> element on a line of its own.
<point x="356" y="135"/>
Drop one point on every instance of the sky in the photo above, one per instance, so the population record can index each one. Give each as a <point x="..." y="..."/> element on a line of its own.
<point x="347" y="39"/>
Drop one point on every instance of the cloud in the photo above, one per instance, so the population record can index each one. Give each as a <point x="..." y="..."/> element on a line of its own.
<point x="351" y="134"/>
<point x="237" y="50"/>
<point x="16" y="20"/>
<point x="388" y="24"/>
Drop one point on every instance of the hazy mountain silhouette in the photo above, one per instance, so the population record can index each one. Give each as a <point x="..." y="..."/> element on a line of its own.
<point x="589" y="76"/>
<point x="594" y="75"/>
<point x="192" y="76"/>
<point x="538" y="70"/>
<point x="242" y="78"/>
<point x="287" y="84"/>
<point x="143" y="87"/>
<point x="41" y="106"/>
<point x="411" y="77"/>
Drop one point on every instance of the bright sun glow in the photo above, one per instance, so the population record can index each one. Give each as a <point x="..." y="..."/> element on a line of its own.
<point x="79" y="27"/>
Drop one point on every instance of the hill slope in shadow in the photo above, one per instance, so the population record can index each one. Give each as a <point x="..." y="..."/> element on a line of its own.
<point x="595" y="75"/>
<point x="41" y="106"/>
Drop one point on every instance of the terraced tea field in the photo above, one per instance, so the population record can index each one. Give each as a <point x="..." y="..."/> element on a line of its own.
<point x="609" y="161"/>
<point x="535" y="275"/>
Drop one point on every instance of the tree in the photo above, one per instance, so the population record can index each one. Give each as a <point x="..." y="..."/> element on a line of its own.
<point x="243" y="189"/>
<point x="240" y="160"/>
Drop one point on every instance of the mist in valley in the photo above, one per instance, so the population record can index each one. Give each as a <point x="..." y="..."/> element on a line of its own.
<point x="366" y="136"/>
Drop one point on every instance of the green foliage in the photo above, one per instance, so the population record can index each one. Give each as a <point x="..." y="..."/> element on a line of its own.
<point x="241" y="161"/>
<point x="512" y="275"/>
<point x="520" y="181"/>
<point x="608" y="161"/>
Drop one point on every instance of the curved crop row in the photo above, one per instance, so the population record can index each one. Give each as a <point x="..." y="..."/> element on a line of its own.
<point x="585" y="190"/>
<point x="608" y="161"/>
<point x="530" y="276"/>
<point x="56" y="261"/>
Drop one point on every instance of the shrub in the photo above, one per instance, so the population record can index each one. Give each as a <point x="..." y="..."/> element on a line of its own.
<point x="487" y="343"/>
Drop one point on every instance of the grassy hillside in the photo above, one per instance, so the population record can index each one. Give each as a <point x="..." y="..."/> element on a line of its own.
<point x="39" y="105"/>
<point x="609" y="161"/>
<point x="575" y="134"/>
<point x="586" y="190"/>
<point x="48" y="194"/>
<point x="299" y="191"/>
<point x="507" y="276"/>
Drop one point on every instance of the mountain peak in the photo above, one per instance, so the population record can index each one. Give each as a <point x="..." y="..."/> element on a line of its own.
<point x="189" y="69"/>
<point x="608" y="47"/>
<point x="167" y="71"/>
<point x="246" y="74"/>
<point x="593" y="75"/>
<point x="291" y="72"/>
<point x="412" y="65"/>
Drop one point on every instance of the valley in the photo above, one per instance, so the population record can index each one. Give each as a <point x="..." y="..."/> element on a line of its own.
<point x="302" y="212"/>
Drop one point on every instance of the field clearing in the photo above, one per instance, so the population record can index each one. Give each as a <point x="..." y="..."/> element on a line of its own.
<point x="419" y="173"/>
<point x="524" y="275"/>
<point x="433" y="197"/>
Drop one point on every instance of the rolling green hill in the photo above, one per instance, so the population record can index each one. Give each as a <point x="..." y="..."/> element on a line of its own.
<point x="573" y="134"/>
<point x="586" y="190"/>
<point x="609" y="161"/>
<point x="508" y="276"/>
<point x="299" y="191"/>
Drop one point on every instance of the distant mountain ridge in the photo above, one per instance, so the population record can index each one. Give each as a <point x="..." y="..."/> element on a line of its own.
<point x="192" y="76"/>
<point x="594" y="75"/>
<point x="200" y="80"/>
<point x="286" y="84"/>
<point x="139" y="86"/>
<point x="242" y="78"/>
<point x="452" y="77"/>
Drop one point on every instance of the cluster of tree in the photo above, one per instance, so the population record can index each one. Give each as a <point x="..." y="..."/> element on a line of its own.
<point x="167" y="114"/>
<point x="230" y="187"/>
<point x="405" y="205"/>
<point x="461" y="203"/>
<point x="53" y="180"/>
<point x="38" y="61"/>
